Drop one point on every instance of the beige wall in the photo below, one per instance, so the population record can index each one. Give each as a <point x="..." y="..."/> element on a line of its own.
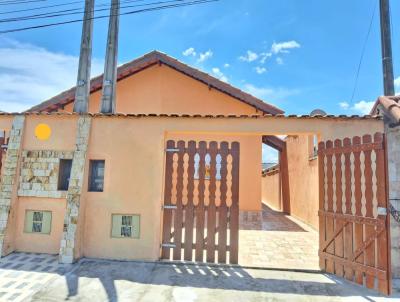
<point x="161" y="89"/>
<point x="271" y="190"/>
<point x="40" y="243"/>
<point x="303" y="180"/>
<point x="133" y="149"/>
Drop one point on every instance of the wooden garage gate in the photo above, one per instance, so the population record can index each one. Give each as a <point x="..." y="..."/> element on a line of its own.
<point x="201" y="202"/>
<point x="354" y="238"/>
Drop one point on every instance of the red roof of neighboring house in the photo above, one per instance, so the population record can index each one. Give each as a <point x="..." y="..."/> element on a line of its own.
<point x="390" y="106"/>
<point x="153" y="58"/>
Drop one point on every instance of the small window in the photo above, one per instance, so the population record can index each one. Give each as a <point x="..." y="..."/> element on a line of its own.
<point x="37" y="222"/>
<point x="125" y="226"/>
<point x="312" y="146"/>
<point x="96" y="176"/>
<point x="64" y="173"/>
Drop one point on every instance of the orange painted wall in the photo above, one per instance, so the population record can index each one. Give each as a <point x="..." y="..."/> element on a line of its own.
<point x="161" y="89"/>
<point x="270" y="190"/>
<point x="40" y="243"/>
<point x="133" y="149"/>
<point x="303" y="180"/>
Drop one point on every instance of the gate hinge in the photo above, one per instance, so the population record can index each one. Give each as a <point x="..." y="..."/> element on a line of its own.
<point x="168" y="245"/>
<point x="169" y="207"/>
<point x="382" y="211"/>
<point x="171" y="150"/>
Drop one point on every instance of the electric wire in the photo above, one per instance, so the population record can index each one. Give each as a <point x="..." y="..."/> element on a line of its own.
<point x="161" y="7"/>
<point x="363" y="52"/>
<point x="70" y="12"/>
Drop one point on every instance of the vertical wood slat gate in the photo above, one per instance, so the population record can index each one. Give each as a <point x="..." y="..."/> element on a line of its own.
<point x="353" y="218"/>
<point x="201" y="202"/>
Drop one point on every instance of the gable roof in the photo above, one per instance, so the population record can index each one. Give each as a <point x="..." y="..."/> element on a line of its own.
<point x="151" y="59"/>
<point x="390" y="105"/>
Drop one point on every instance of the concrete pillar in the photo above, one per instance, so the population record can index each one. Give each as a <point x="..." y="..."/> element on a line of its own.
<point x="110" y="68"/>
<point x="8" y="180"/>
<point x="393" y="152"/>
<point x="68" y="241"/>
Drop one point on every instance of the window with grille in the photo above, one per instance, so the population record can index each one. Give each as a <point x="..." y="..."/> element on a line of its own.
<point x="64" y="174"/>
<point x="125" y="226"/>
<point x="37" y="222"/>
<point x="96" y="176"/>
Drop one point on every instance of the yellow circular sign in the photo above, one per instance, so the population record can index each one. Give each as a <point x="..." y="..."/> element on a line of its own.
<point x="42" y="131"/>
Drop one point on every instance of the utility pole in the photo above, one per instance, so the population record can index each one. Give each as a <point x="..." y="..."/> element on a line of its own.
<point x="82" y="91"/>
<point x="110" y="68"/>
<point x="387" y="62"/>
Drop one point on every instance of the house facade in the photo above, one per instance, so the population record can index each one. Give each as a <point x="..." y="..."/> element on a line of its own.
<point x="176" y="173"/>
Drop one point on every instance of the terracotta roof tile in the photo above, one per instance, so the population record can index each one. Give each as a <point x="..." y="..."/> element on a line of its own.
<point x="233" y="116"/>
<point x="150" y="59"/>
<point x="388" y="105"/>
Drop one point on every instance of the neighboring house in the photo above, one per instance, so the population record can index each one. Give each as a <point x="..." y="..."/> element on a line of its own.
<point x="176" y="168"/>
<point x="389" y="107"/>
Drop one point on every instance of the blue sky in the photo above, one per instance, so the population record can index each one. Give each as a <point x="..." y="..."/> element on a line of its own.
<point x="298" y="55"/>
<point x="311" y="50"/>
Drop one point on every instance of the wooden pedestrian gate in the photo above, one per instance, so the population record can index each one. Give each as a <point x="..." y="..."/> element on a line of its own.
<point x="201" y="202"/>
<point x="353" y="218"/>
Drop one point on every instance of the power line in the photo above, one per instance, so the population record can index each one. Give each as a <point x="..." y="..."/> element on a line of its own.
<point x="20" y="2"/>
<point x="63" y="4"/>
<point x="363" y="52"/>
<point x="70" y="12"/>
<point x="196" y="2"/>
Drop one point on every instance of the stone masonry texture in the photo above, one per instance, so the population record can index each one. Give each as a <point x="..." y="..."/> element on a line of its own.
<point x="39" y="173"/>
<point x="67" y="246"/>
<point x="8" y="175"/>
<point x="393" y="150"/>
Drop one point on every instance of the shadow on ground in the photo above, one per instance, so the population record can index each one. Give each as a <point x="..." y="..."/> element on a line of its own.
<point x="131" y="281"/>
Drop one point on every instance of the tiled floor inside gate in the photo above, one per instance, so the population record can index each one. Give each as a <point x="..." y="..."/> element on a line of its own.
<point x="282" y="242"/>
<point x="23" y="274"/>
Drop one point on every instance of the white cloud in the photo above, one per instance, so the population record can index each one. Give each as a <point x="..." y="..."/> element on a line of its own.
<point x="227" y="65"/>
<point x="397" y="83"/>
<point x="219" y="74"/>
<point x="363" y="107"/>
<point x="264" y="56"/>
<point x="279" y="60"/>
<point x="30" y="74"/>
<point x="270" y="93"/>
<point x="260" y="70"/>
<point x="344" y="105"/>
<point x="205" y="56"/>
<point x="249" y="57"/>
<point x="189" y="52"/>
<point x="283" y="47"/>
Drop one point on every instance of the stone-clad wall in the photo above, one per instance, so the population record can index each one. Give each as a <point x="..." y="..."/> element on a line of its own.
<point x="393" y="151"/>
<point x="39" y="173"/>
<point x="8" y="176"/>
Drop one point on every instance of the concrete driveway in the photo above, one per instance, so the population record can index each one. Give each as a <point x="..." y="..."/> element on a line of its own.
<point x="97" y="280"/>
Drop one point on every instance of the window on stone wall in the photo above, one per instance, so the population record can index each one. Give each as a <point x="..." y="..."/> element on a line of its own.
<point x="125" y="226"/>
<point x="96" y="176"/>
<point x="64" y="174"/>
<point x="37" y="222"/>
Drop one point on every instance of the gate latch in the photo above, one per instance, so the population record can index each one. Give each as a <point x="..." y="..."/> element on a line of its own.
<point x="382" y="211"/>
<point x="168" y="245"/>
<point x="169" y="207"/>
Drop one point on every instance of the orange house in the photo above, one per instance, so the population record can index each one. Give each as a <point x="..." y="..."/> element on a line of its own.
<point x="175" y="174"/>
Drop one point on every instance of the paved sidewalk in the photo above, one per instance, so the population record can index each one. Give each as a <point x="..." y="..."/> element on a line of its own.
<point x="282" y="242"/>
<point x="97" y="280"/>
<point x="23" y="274"/>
